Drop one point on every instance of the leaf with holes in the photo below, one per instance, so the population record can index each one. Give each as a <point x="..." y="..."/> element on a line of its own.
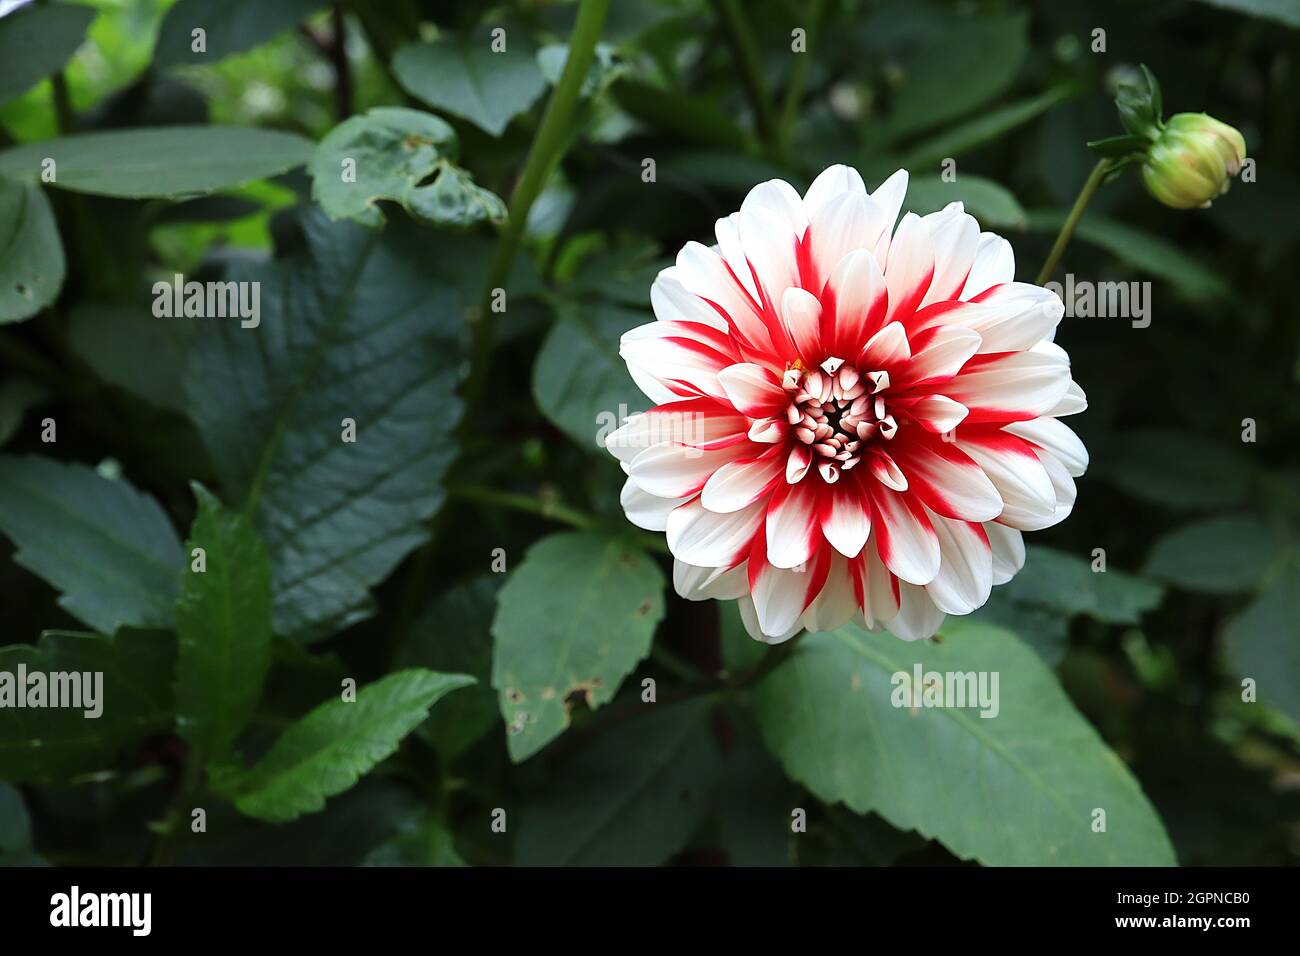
<point x="574" y="618"/>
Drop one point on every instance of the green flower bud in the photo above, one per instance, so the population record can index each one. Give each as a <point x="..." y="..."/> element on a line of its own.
<point x="1192" y="160"/>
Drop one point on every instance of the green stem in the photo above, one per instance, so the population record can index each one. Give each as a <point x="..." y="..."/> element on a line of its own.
<point x="1072" y="220"/>
<point x="799" y="77"/>
<point x="187" y="792"/>
<point x="751" y="71"/>
<point x="553" y="510"/>
<point x="544" y="155"/>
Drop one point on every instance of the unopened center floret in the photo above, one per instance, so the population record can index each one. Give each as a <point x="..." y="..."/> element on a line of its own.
<point x="836" y="410"/>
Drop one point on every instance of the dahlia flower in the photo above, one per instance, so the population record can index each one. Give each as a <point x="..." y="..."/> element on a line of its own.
<point x="852" y="421"/>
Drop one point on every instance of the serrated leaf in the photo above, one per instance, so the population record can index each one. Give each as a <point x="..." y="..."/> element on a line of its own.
<point x="108" y="548"/>
<point x="632" y="797"/>
<point x="579" y="381"/>
<point x="989" y="202"/>
<point x="1263" y="642"/>
<point x="134" y="700"/>
<point x="1220" y="555"/>
<point x="31" y="254"/>
<point x="223" y="623"/>
<point x="396" y="151"/>
<point x="36" y="41"/>
<point x="454" y="635"/>
<point x="359" y="326"/>
<point x="574" y="618"/>
<point x="331" y="748"/>
<point x="1066" y="583"/>
<point x="1017" y="789"/>
<point x="229" y="26"/>
<point x="167" y="162"/>
<point x="463" y="76"/>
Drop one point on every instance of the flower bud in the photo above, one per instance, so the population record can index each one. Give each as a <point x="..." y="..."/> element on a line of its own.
<point x="1192" y="160"/>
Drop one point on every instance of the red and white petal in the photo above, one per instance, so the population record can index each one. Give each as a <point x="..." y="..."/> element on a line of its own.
<point x="994" y="264"/>
<point x="947" y="480"/>
<point x="918" y="617"/>
<point x="1056" y="438"/>
<point x="854" y="301"/>
<point x="704" y="273"/>
<point x="904" y="536"/>
<point x="792" y="529"/>
<point x="884" y="469"/>
<point x="965" y="575"/>
<point x="672" y="303"/>
<point x="708" y="539"/>
<point x="1008" y="547"/>
<point x="697" y="422"/>
<point x="889" y="197"/>
<point x="878" y="590"/>
<point x="1011" y="464"/>
<point x="801" y="316"/>
<point x="1010" y="387"/>
<point x="749" y="617"/>
<point x="886" y="349"/>
<point x="701" y="584"/>
<point x="1064" y="488"/>
<point x="797" y="464"/>
<point x="937" y="414"/>
<point x="644" y="509"/>
<point x="1012" y="317"/>
<point x="753" y="390"/>
<point x="771" y="222"/>
<point x="768" y="431"/>
<point x="837" y="601"/>
<point x="674" y="470"/>
<point x="738" y="484"/>
<point x="727" y="231"/>
<point x="683" y="356"/>
<point x="909" y="268"/>
<point x="833" y="184"/>
<point x="845" y="516"/>
<point x="938" y="354"/>
<point x="781" y="595"/>
<point x="956" y="238"/>
<point x="852" y="222"/>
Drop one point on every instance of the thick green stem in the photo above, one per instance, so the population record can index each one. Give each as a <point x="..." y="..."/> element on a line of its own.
<point x="544" y="155"/>
<point x="1072" y="220"/>
<point x="751" y="71"/>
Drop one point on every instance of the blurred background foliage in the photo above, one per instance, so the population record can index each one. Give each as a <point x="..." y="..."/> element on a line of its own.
<point x="1201" y="530"/>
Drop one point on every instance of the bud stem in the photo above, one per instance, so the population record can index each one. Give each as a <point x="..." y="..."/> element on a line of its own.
<point x="1071" y="221"/>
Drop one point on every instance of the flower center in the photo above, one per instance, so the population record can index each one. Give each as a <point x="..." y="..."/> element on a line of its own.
<point x="836" y="410"/>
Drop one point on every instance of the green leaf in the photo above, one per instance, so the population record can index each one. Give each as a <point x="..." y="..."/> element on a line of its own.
<point x="108" y="548"/>
<point x="1282" y="11"/>
<point x="331" y="748"/>
<point x="18" y="396"/>
<point x="1263" y="643"/>
<point x="230" y="26"/>
<point x="35" y="41"/>
<point x="575" y="617"/>
<point x="984" y="128"/>
<point x="633" y="797"/>
<point x="579" y="381"/>
<point x="15" y="830"/>
<point x="1220" y="555"/>
<point x="395" y="152"/>
<point x="965" y="65"/>
<point x="462" y="76"/>
<point x="1067" y="584"/>
<point x="359" y="326"/>
<point x="111" y="340"/>
<point x="223" y="622"/>
<point x="1017" y="789"/>
<point x="990" y="203"/>
<point x="454" y="635"/>
<point x="134" y="700"/>
<point x="31" y="254"/>
<point x="1143" y="251"/>
<point x="1176" y="469"/>
<point x="166" y="162"/>
<point x="427" y="844"/>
